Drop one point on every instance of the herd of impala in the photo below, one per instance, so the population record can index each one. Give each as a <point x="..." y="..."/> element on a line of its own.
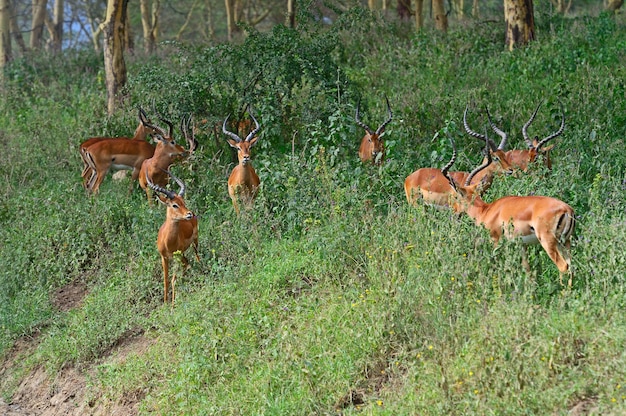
<point x="534" y="219"/>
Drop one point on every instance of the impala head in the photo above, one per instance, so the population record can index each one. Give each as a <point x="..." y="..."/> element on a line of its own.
<point x="465" y="194"/>
<point x="499" y="161"/>
<point x="372" y="146"/>
<point x="166" y="143"/>
<point x="242" y="146"/>
<point x="176" y="209"/>
<point x="145" y="127"/>
<point x="538" y="147"/>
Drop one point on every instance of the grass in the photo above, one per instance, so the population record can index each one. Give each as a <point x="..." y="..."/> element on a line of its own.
<point x="332" y="296"/>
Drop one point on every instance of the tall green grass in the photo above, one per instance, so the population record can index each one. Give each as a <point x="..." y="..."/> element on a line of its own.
<point x="332" y="295"/>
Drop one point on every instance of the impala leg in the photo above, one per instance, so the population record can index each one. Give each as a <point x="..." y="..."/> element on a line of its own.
<point x="553" y="248"/>
<point x="165" y="262"/>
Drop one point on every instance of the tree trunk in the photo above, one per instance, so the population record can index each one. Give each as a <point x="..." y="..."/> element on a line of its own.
<point x="475" y="10"/>
<point x="5" y="34"/>
<point x="55" y="43"/>
<point x="419" y="15"/>
<point x="39" y="20"/>
<point x="114" y="64"/>
<point x="404" y="9"/>
<point x="291" y="14"/>
<point x="150" y="23"/>
<point x="15" y="29"/>
<point x="520" y="22"/>
<point x="441" y="18"/>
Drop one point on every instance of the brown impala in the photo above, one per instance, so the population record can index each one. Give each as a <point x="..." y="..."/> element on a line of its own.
<point x="165" y="154"/>
<point x="243" y="182"/>
<point x="372" y="146"/>
<point x="535" y="219"/>
<point x="433" y="188"/>
<point x="521" y="159"/>
<point x="143" y="130"/>
<point x="178" y="232"/>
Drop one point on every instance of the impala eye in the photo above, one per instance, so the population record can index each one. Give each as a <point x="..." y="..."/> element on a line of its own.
<point x="175" y="206"/>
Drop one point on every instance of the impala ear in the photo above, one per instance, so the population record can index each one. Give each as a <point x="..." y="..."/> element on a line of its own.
<point x="253" y="140"/>
<point x="546" y="148"/>
<point x="162" y="199"/>
<point x="232" y="143"/>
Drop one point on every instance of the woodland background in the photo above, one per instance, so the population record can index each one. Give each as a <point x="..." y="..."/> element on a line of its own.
<point x="332" y="296"/>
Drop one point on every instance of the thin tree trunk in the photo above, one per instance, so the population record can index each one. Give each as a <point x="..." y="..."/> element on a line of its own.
<point x="150" y="24"/>
<point x="419" y="15"/>
<point x="15" y="29"/>
<point x="114" y="42"/>
<point x="441" y="19"/>
<point x="56" y="33"/>
<point x="291" y="14"/>
<point x="38" y="23"/>
<point x="520" y="22"/>
<point x="475" y="9"/>
<point x="5" y="34"/>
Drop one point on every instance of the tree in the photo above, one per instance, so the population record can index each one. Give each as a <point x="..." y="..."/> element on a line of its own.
<point x="404" y="9"/>
<point x="441" y="17"/>
<point x="56" y="28"/>
<point x="520" y="22"/>
<point x="419" y="15"/>
<point x="150" y="24"/>
<point x="5" y="33"/>
<point x="38" y="23"/>
<point x="291" y="14"/>
<point x="114" y="32"/>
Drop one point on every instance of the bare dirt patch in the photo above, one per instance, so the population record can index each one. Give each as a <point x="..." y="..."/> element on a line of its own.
<point x="70" y="296"/>
<point x="68" y="393"/>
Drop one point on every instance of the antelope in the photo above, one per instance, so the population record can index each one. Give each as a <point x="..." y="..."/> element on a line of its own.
<point x="119" y="154"/>
<point x="243" y="182"/>
<point x="165" y="154"/>
<point x="178" y="232"/>
<point x="535" y="219"/>
<point x="433" y="188"/>
<point x="141" y="132"/>
<point x="522" y="159"/>
<point x="372" y="147"/>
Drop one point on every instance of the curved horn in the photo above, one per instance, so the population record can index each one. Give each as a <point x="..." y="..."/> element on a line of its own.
<point x="255" y="130"/>
<point x="487" y="162"/>
<point x="529" y="142"/>
<point x="357" y="119"/>
<point x="389" y="113"/>
<point x="230" y="133"/>
<point x="143" y="117"/>
<point x="447" y="167"/>
<point x="157" y="188"/>
<point x="556" y="133"/>
<point x="474" y="134"/>
<point x="180" y="183"/>
<point x="189" y="136"/>
<point x="497" y="130"/>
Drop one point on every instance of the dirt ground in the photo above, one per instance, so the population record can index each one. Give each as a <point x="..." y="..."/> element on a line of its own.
<point x="67" y="394"/>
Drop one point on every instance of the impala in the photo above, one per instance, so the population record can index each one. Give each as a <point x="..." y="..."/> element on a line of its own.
<point x="521" y="159"/>
<point x="372" y="147"/>
<point x="535" y="219"/>
<point x="243" y="182"/>
<point x="143" y="130"/>
<point x="433" y="188"/>
<point x="178" y="232"/>
<point x="165" y="154"/>
<point x="119" y="154"/>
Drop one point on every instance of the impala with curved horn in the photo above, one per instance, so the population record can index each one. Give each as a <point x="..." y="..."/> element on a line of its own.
<point x="372" y="146"/>
<point x="166" y="153"/>
<point x="535" y="219"/>
<point x="243" y="182"/>
<point x="433" y="188"/>
<point x="522" y="158"/>
<point x="142" y="131"/>
<point x="117" y="154"/>
<point x="178" y="232"/>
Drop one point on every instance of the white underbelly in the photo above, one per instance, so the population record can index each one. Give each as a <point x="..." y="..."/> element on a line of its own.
<point x="121" y="167"/>
<point x="530" y="239"/>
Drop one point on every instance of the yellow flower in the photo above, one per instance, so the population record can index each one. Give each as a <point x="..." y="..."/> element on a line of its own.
<point x="379" y="402"/>
<point x="430" y="347"/>
<point x="471" y="373"/>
